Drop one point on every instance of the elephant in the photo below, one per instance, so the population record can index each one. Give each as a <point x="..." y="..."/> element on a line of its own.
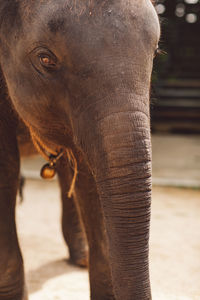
<point x="78" y="74"/>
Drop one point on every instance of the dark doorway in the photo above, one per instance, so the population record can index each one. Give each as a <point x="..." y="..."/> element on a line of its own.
<point x="176" y="77"/>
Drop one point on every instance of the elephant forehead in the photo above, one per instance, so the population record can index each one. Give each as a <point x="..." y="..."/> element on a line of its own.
<point x="58" y="16"/>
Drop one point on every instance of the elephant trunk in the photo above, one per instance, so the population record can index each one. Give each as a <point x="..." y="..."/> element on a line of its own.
<point x="123" y="176"/>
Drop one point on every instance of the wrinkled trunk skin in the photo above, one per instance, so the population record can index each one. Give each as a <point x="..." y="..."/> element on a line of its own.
<point x="126" y="196"/>
<point x="122" y="168"/>
<point x="125" y="191"/>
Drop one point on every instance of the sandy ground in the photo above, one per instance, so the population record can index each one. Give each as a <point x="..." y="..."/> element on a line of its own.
<point x="174" y="247"/>
<point x="176" y="160"/>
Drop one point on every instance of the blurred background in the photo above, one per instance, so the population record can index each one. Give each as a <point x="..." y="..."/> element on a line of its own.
<point x="176" y="77"/>
<point x="175" y="227"/>
<point x="175" y="105"/>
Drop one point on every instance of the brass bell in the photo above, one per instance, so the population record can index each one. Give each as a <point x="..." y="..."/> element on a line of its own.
<point x="48" y="171"/>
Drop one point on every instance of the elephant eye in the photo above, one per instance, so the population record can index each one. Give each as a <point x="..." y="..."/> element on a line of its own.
<point x="44" y="61"/>
<point x="47" y="61"/>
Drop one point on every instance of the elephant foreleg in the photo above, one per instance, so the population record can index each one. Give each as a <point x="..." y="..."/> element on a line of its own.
<point x="11" y="263"/>
<point x="72" y="227"/>
<point x="99" y="268"/>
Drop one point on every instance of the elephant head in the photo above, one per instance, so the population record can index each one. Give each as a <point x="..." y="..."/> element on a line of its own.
<point x="78" y="73"/>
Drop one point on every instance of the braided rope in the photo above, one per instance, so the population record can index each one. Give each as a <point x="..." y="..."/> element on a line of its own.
<point x="40" y="146"/>
<point x="74" y="165"/>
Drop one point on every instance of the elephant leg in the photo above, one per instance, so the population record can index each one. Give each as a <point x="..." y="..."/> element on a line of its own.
<point x="11" y="263"/>
<point x="99" y="268"/>
<point x="72" y="227"/>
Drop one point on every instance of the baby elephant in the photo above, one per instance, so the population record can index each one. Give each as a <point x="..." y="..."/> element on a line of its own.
<point x="78" y="74"/>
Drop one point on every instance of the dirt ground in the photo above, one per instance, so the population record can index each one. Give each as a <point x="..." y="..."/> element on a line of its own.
<point x="174" y="246"/>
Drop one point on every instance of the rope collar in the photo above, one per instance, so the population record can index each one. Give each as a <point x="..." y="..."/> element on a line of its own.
<point x="48" y="171"/>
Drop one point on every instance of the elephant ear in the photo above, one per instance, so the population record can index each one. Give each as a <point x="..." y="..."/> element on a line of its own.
<point x="9" y="17"/>
<point x="10" y="23"/>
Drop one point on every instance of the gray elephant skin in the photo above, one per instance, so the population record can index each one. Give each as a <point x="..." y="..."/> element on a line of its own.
<point x="78" y="74"/>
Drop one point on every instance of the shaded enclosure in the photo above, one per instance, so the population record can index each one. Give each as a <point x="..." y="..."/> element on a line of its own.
<point x="176" y="78"/>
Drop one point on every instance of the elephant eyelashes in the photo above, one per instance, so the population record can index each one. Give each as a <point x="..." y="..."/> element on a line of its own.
<point x="158" y="51"/>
